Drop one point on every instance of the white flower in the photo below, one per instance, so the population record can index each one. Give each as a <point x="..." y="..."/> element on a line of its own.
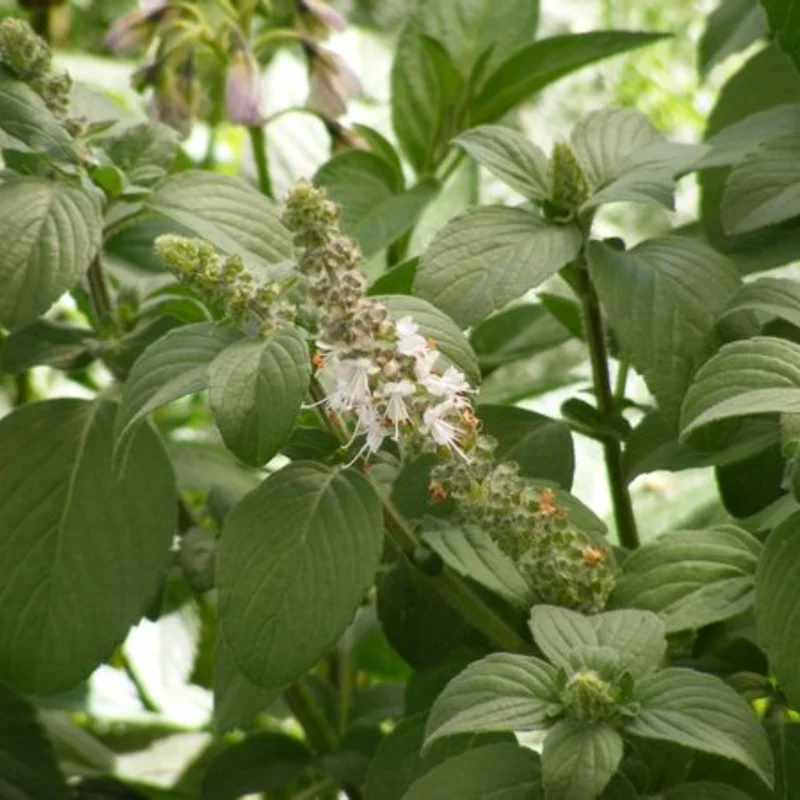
<point x="449" y="385"/>
<point x="409" y="342"/>
<point x="352" y="383"/>
<point x="424" y="364"/>
<point x="441" y="430"/>
<point x="396" y="410"/>
<point x="369" y="423"/>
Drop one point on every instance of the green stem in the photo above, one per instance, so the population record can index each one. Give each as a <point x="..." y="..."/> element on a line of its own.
<point x="40" y="22"/>
<point x="606" y="405"/>
<point x="447" y="582"/>
<point x="259" y="143"/>
<point x="622" y="379"/>
<point x="23" y="389"/>
<point x="141" y="690"/>
<point x="320" y="734"/>
<point x="98" y="291"/>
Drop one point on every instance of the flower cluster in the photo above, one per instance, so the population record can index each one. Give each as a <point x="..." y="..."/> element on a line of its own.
<point x="385" y="373"/>
<point x="387" y="376"/>
<point x="225" y="283"/>
<point x="30" y="59"/>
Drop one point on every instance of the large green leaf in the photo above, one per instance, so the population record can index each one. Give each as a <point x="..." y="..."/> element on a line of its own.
<point x="543" y="62"/>
<point x="753" y="376"/>
<point x="227" y="212"/>
<point x="433" y="324"/>
<point x="470" y="552"/>
<point x="637" y="636"/>
<point x="542" y="446"/>
<point x="52" y="231"/>
<point x="256" y="388"/>
<point x="470" y="32"/>
<point x="765" y="189"/>
<point x="662" y="298"/>
<point x="28" y="766"/>
<point x="260" y="763"/>
<point x="778" y="604"/>
<point x="691" y="578"/>
<point x="784" y="23"/>
<point x="489" y="256"/>
<point x="172" y="367"/>
<point x="376" y="210"/>
<point x="705" y="791"/>
<point x="82" y="549"/>
<point x="493" y="772"/>
<point x="144" y="152"/>
<point x="295" y="559"/>
<point x="578" y="760"/>
<point x="511" y="157"/>
<point x="502" y="692"/>
<point x="773" y="298"/>
<point x="733" y="25"/>
<point x="701" y="712"/>
<point x="27" y="123"/>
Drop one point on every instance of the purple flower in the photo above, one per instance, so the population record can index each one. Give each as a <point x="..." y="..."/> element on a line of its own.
<point x="135" y="29"/>
<point x="243" y="96"/>
<point x="331" y="82"/>
<point x="319" y="18"/>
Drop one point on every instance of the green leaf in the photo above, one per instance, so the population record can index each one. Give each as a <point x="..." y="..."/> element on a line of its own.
<point x="777" y="604"/>
<point x="542" y="446"/>
<point x="28" y="766"/>
<point x="52" y="231"/>
<point x="76" y="570"/>
<point x="172" y="367"/>
<point x="691" y="578"/>
<point x="260" y="763"/>
<point x="765" y="189"/>
<point x="474" y="34"/>
<point x="701" y="712"/>
<point x="509" y="156"/>
<point x="638" y="636"/>
<point x="784" y="23"/>
<point x="774" y="298"/>
<point x="493" y="772"/>
<point x="502" y="692"/>
<point x="376" y="210"/>
<point x="489" y="256"/>
<point x="256" y="388"/>
<point x="579" y="760"/>
<point x="227" y="212"/>
<point x="767" y="81"/>
<point x="434" y="324"/>
<point x="59" y="346"/>
<point x="471" y="553"/>
<point x="398" y="760"/>
<point x="236" y="699"/>
<point x="705" y="791"/>
<point x="754" y="376"/>
<point x="519" y="332"/>
<point x="27" y="123"/>
<point x="397" y="280"/>
<point x="731" y="27"/>
<point x="290" y="580"/>
<point x="544" y="62"/>
<point x="417" y="621"/>
<point x="663" y="297"/>
<point x="144" y="152"/>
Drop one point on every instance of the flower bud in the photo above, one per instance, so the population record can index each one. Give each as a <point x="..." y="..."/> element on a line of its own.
<point x="331" y="82"/>
<point x="319" y="18"/>
<point x="589" y="698"/>
<point x="133" y="30"/>
<point x="343" y="139"/>
<point x="569" y="186"/>
<point x="22" y="51"/>
<point x="175" y="97"/>
<point x="243" y="96"/>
